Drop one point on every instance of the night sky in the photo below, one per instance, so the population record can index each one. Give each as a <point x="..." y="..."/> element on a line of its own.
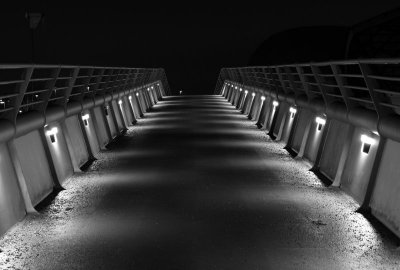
<point x="192" y="43"/>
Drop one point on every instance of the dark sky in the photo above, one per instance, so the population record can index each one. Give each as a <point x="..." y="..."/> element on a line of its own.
<point x="191" y="42"/>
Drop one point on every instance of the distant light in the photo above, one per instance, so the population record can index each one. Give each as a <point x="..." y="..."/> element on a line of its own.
<point x="235" y="87"/>
<point x="275" y="103"/>
<point x="88" y="88"/>
<point x="158" y="84"/>
<point x="320" y="121"/>
<point x="85" y="119"/>
<point x="130" y="97"/>
<point x="240" y="89"/>
<point x="180" y="92"/>
<point x="137" y="94"/>
<point x="148" y="89"/>
<point x="20" y="111"/>
<point x="246" y="91"/>
<point x="152" y="87"/>
<point x="253" y="94"/>
<point x="262" y="98"/>
<point x="119" y="102"/>
<point x="368" y="140"/>
<point x="52" y="134"/>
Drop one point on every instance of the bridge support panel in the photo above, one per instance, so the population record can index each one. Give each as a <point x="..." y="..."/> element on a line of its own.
<point x="101" y="122"/>
<point x="12" y="207"/>
<point x="34" y="165"/>
<point x="59" y="153"/>
<point x="305" y="116"/>
<point x="334" y="145"/>
<point x="88" y="127"/>
<point x="385" y="199"/>
<point x="78" y="148"/>
<point x="110" y="119"/>
<point x="358" y="167"/>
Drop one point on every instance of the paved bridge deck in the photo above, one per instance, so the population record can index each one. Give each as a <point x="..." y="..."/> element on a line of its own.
<point x="195" y="185"/>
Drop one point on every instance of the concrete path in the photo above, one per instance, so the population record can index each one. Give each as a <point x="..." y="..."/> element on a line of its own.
<point x="195" y="185"/>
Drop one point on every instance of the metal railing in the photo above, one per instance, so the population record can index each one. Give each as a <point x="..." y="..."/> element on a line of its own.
<point x="373" y="84"/>
<point x="26" y="88"/>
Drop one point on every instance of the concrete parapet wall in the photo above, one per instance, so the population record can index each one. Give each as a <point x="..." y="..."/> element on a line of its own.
<point x="12" y="208"/>
<point x="358" y="148"/>
<point x="40" y="151"/>
<point x="333" y="148"/>
<point x="358" y="168"/>
<point x="78" y="149"/>
<point x="35" y="166"/>
<point x="101" y="123"/>
<point x="305" y="116"/>
<point x="385" y="200"/>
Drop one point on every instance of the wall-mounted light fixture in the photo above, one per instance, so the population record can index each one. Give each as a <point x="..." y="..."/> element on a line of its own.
<point x="292" y="111"/>
<point x="275" y="103"/>
<point x="52" y="134"/>
<point x="85" y="119"/>
<point x="320" y="121"/>
<point x="367" y="142"/>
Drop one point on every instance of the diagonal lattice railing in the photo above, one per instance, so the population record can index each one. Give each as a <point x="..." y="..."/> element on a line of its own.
<point x="25" y="88"/>
<point x="371" y="84"/>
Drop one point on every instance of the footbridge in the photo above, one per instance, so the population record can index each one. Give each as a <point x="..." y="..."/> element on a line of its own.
<point x="342" y="117"/>
<point x="284" y="167"/>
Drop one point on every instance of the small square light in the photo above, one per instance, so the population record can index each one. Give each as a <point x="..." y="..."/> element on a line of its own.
<point x="367" y="142"/>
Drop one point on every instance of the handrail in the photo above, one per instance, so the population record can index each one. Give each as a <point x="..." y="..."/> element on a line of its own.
<point x="355" y="83"/>
<point x="34" y="87"/>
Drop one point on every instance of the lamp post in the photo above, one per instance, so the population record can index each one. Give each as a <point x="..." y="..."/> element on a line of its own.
<point x="33" y="18"/>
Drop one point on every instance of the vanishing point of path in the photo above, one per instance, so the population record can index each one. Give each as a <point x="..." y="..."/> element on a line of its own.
<point x="195" y="185"/>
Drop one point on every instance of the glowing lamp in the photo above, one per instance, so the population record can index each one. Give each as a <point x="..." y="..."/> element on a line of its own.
<point x="240" y="89"/>
<point x="292" y="111"/>
<point x="253" y="94"/>
<point x="52" y="134"/>
<point x="236" y="87"/>
<point x="130" y="97"/>
<point x="148" y="89"/>
<point x="152" y="87"/>
<point x="367" y="142"/>
<point x="275" y="103"/>
<point x="85" y="119"/>
<point x="320" y="121"/>
<point x="137" y="94"/>
<point x="262" y="98"/>
<point x="245" y="91"/>
<point x="119" y="102"/>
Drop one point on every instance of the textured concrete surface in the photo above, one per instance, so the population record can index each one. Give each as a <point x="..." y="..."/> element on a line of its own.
<point x="195" y="185"/>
